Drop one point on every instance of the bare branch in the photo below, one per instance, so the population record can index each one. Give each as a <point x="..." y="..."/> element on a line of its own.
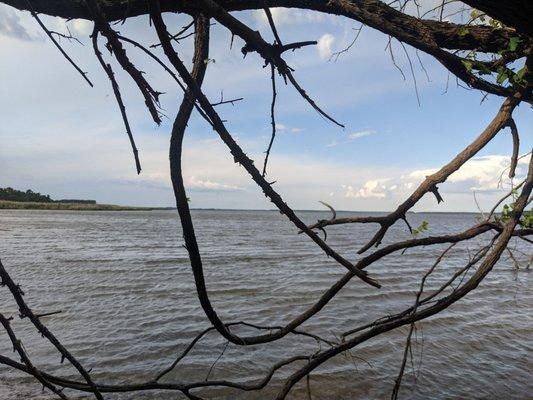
<point x="116" y="90"/>
<point x="50" y="34"/>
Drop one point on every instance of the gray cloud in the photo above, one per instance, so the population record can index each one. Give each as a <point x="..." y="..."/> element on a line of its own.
<point x="10" y="26"/>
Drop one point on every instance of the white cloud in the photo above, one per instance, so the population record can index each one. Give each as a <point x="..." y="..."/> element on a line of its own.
<point x="420" y="174"/>
<point x="479" y="174"/>
<point x="280" y="16"/>
<point x="324" y="45"/>
<point x="482" y="174"/>
<point x="206" y="184"/>
<point x="23" y="27"/>
<point x="300" y="179"/>
<point x="285" y="128"/>
<point x="360" y="134"/>
<point x="11" y="26"/>
<point x="286" y="16"/>
<point x="351" y="137"/>
<point x="81" y="27"/>
<point x="374" y="188"/>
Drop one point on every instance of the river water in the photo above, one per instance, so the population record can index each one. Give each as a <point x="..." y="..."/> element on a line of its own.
<point x="123" y="283"/>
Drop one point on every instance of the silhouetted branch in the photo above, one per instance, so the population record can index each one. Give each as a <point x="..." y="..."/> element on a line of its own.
<point x="516" y="147"/>
<point x="151" y="97"/>
<point x="446" y="42"/>
<point x="116" y="90"/>
<point x="50" y="35"/>
<point x="398" y="381"/>
<point x="26" y="312"/>
<point x="272" y="118"/>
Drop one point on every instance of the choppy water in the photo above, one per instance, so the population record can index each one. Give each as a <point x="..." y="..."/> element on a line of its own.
<point x="123" y="283"/>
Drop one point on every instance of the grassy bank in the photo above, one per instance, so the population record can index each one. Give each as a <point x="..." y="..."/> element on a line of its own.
<point x="16" y="205"/>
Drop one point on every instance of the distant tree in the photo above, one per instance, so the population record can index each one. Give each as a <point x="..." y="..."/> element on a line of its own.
<point x="490" y="52"/>
<point x="29" y="195"/>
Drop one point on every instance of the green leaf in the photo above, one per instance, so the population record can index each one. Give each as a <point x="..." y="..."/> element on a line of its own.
<point x="463" y="31"/>
<point x="521" y="73"/>
<point x="527" y="219"/>
<point x="475" y="14"/>
<point x="513" y="43"/>
<point x="502" y="76"/>
<point x="483" y="69"/>
<point x="495" y="23"/>
<point x="423" y="227"/>
<point x="468" y="65"/>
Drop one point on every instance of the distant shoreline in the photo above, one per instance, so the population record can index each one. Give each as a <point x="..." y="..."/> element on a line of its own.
<point x="20" y="205"/>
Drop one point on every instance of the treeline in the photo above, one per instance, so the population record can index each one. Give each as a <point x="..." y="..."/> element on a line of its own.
<point x="29" y="196"/>
<point x="75" y="201"/>
<point x="55" y="205"/>
<point x="10" y="194"/>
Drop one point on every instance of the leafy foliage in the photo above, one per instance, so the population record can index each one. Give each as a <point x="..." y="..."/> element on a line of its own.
<point x="507" y="212"/>
<point x="424" y="226"/>
<point x="526" y="220"/>
<point x="503" y="71"/>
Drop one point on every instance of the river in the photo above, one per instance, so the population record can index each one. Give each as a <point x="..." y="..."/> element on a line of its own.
<point x="128" y="305"/>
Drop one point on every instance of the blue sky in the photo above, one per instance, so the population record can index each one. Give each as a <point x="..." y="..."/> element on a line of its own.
<point x="61" y="137"/>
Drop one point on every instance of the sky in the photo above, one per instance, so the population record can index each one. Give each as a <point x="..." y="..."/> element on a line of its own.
<point x="59" y="136"/>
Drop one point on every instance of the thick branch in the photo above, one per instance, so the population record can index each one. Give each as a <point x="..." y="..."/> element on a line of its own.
<point x="446" y="35"/>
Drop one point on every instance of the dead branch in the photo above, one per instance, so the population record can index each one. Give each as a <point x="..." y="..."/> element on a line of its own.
<point x="455" y="46"/>
<point x="116" y="90"/>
